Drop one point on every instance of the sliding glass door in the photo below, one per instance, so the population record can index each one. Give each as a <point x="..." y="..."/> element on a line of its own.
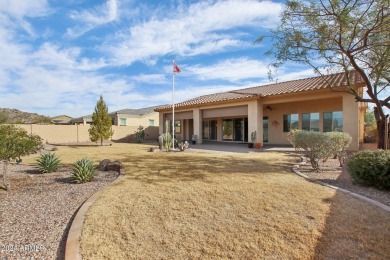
<point x="235" y="129"/>
<point x="227" y="129"/>
<point x="209" y="130"/>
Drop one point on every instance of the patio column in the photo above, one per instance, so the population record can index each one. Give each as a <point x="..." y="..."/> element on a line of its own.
<point x="351" y="120"/>
<point x="255" y="120"/>
<point x="219" y="129"/>
<point x="197" y="113"/>
<point x="160" y="123"/>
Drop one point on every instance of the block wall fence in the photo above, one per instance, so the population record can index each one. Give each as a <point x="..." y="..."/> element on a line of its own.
<point x="62" y="134"/>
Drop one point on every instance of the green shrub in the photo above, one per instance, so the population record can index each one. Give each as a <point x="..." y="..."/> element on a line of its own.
<point x="385" y="177"/>
<point x="320" y="146"/>
<point x="140" y="134"/>
<point x="315" y="145"/>
<point x="48" y="162"/>
<point x="339" y="142"/>
<point x="83" y="171"/>
<point x="371" y="168"/>
<point x="14" y="143"/>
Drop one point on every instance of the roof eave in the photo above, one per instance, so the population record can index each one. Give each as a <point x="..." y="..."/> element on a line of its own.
<point x="235" y="100"/>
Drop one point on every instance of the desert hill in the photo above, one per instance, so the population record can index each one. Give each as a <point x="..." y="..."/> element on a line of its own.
<point x="14" y="116"/>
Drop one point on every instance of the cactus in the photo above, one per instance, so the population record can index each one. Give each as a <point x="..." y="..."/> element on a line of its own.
<point x="168" y="141"/>
<point x="253" y="136"/>
<point x="161" y="142"/>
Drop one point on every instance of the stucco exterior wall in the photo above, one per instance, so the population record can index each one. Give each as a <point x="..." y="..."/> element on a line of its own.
<point x="275" y="116"/>
<point x="134" y="120"/>
<point x="60" y="134"/>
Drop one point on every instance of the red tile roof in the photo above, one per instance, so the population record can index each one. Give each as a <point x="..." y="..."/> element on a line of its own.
<point x="288" y="87"/>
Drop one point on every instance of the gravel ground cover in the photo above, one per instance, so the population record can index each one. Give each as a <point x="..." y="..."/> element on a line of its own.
<point x="333" y="174"/>
<point x="35" y="214"/>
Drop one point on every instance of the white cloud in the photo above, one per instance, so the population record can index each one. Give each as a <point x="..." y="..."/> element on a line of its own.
<point x="91" y="19"/>
<point x="53" y="56"/>
<point x="150" y="78"/>
<point x="231" y="70"/>
<point x="199" y="29"/>
<point x="13" y="13"/>
<point x="24" y="8"/>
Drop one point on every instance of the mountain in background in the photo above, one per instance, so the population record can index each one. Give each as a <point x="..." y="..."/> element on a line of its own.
<point x="14" y="116"/>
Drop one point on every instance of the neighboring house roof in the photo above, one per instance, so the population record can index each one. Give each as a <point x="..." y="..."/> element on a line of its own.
<point x="288" y="87"/>
<point x="137" y="112"/>
<point x="82" y="119"/>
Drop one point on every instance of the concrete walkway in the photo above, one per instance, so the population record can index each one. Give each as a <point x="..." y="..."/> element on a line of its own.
<point x="238" y="148"/>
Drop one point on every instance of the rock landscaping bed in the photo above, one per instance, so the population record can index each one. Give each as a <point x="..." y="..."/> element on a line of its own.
<point x="36" y="213"/>
<point x="333" y="174"/>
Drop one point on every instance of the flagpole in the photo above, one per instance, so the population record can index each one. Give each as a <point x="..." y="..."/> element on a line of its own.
<point x="173" y="106"/>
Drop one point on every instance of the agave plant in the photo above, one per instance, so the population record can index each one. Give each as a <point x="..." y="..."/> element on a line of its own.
<point x="48" y="162"/>
<point x="83" y="171"/>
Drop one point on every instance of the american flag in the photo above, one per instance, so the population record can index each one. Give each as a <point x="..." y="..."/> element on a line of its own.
<point x="176" y="68"/>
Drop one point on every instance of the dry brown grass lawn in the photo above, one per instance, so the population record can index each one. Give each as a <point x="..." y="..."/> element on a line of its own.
<point x="223" y="205"/>
<point x="70" y="154"/>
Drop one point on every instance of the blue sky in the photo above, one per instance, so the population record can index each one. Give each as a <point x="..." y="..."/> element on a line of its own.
<point x="58" y="57"/>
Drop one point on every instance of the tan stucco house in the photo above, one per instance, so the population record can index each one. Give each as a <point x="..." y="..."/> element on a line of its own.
<point x="136" y="117"/>
<point x="316" y="104"/>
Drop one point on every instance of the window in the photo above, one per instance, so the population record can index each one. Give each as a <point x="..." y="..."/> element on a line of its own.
<point x="177" y="126"/>
<point x="333" y="121"/>
<point x="290" y="122"/>
<point x="151" y="122"/>
<point x="123" y="121"/>
<point x="311" y="122"/>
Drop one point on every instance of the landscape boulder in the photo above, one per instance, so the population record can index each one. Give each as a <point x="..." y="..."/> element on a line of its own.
<point x="114" y="166"/>
<point x="103" y="165"/>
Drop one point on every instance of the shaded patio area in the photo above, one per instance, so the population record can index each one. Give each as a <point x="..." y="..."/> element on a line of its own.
<point x="239" y="147"/>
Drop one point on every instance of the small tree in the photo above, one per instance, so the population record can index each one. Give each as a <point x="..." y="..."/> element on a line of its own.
<point x="101" y="123"/>
<point x="14" y="143"/>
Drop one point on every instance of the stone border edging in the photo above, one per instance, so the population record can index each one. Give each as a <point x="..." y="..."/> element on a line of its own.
<point x="295" y="169"/>
<point x="72" y="247"/>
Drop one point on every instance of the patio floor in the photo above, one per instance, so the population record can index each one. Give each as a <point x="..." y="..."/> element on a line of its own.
<point x="238" y="147"/>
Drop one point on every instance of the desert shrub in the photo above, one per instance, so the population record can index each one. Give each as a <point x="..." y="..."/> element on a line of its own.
<point x="385" y="177"/>
<point x="339" y="143"/>
<point x="371" y="168"/>
<point x="182" y="145"/>
<point x="14" y="143"/>
<point x="48" y="162"/>
<point x="83" y="171"/>
<point x="320" y="146"/>
<point x="315" y="145"/>
<point x="140" y="134"/>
